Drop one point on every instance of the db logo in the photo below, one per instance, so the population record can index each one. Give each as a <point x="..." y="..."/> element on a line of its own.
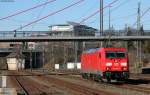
<point x="116" y="64"/>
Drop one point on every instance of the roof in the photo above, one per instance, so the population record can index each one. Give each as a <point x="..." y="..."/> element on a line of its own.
<point x="93" y="50"/>
<point x="15" y="55"/>
<point x="69" y="23"/>
<point x="59" y="25"/>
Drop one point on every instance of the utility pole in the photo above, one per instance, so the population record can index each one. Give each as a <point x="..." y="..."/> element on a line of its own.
<point x="24" y="47"/>
<point x="31" y="60"/>
<point x="43" y="57"/>
<point x="109" y="25"/>
<point x="15" y="33"/>
<point x="76" y="53"/>
<point x="53" y="58"/>
<point x="64" y="54"/>
<point x="138" y="33"/>
<point x="140" y="43"/>
<point x="139" y="18"/>
<point x="83" y="46"/>
<point x="110" y="18"/>
<point x="35" y="58"/>
<point x="101" y="19"/>
<point x="127" y="34"/>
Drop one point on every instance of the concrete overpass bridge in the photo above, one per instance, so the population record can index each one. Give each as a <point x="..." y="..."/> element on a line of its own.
<point x="41" y="36"/>
<point x="73" y="38"/>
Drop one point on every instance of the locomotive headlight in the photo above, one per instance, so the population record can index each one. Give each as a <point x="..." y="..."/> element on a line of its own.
<point x="124" y="64"/>
<point x="109" y="64"/>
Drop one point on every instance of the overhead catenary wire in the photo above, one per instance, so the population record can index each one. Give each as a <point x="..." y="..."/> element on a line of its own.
<point x="86" y="11"/>
<point x="143" y="14"/>
<point x="23" y="11"/>
<point x="38" y="16"/>
<point x="96" y="12"/>
<point x="115" y="19"/>
<point x="114" y="9"/>
<point x="117" y="7"/>
<point x="120" y="5"/>
<point x="53" y="13"/>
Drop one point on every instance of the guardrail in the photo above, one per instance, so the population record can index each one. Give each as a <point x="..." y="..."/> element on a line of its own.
<point x="74" y="38"/>
<point x="7" y="34"/>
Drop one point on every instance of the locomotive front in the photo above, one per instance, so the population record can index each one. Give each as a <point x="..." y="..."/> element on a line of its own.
<point x="116" y="64"/>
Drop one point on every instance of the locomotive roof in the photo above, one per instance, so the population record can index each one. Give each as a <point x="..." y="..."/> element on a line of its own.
<point x="93" y="50"/>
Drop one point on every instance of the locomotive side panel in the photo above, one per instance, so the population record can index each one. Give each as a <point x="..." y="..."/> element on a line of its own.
<point x="90" y="63"/>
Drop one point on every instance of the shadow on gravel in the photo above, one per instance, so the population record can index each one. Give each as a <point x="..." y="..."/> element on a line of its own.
<point x="131" y="81"/>
<point x="24" y="75"/>
<point x="137" y="81"/>
<point x="117" y="83"/>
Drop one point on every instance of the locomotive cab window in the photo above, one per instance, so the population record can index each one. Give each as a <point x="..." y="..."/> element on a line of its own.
<point x="115" y="55"/>
<point x="120" y="55"/>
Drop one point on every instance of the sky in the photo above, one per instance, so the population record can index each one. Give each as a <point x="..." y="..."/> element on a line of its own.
<point x="122" y="12"/>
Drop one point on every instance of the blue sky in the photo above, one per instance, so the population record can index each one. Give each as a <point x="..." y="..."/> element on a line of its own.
<point x="122" y="12"/>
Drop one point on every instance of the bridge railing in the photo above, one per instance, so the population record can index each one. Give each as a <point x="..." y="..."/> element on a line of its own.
<point x="7" y="34"/>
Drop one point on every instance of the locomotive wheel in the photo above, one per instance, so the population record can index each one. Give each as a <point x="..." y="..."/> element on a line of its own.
<point x="101" y="80"/>
<point x="108" y="79"/>
<point x="97" y="78"/>
<point x="85" y="76"/>
<point x="108" y="76"/>
<point x="91" y="77"/>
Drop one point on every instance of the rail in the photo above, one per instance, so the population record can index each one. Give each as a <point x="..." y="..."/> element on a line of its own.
<point x="22" y="87"/>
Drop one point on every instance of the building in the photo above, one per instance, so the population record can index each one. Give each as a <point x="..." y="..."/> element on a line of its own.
<point x="15" y="62"/>
<point x="61" y="27"/>
<point x="72" y="29"/>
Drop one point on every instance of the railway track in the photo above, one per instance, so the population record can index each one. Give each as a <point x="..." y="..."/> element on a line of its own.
<point x="73" y="88"/>
<point x="83" y="89"/>
<point x="25" y="92"/>
<point x="79" y="86"/>
<point x="124" y="88"/>
<point x="141" y="76"/>
<point x="131" y="86"/>
<point x="27" y="85"/>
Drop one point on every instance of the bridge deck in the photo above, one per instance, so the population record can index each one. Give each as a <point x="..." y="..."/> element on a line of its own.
<point x="73" y="38"/>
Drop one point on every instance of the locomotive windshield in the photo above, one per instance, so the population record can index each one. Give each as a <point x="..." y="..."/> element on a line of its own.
<point x="115" y="55"/>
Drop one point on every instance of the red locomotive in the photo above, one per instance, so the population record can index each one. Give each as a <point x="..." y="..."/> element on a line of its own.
<point x="105" y="63"/>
